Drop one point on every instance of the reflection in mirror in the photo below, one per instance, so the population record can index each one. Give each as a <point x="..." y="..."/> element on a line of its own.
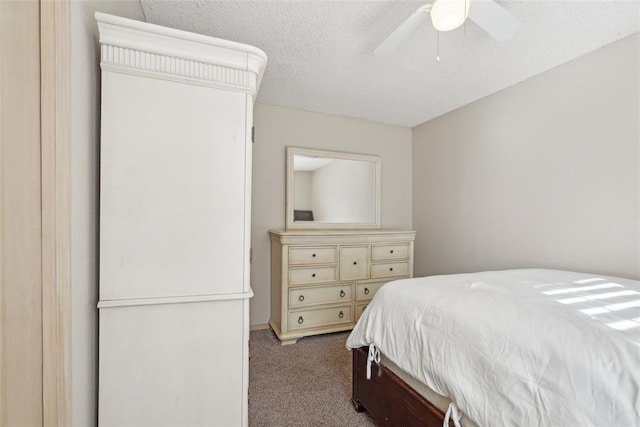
<point x="331" y="189"/>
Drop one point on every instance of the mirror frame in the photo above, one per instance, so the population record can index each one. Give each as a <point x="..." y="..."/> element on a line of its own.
<point x="312" y="225"/>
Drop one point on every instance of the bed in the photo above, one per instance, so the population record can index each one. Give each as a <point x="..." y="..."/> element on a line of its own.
<point x="528" y="347"/>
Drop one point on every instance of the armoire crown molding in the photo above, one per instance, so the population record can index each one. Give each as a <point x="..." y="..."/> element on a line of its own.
<point x="140" y="48"/>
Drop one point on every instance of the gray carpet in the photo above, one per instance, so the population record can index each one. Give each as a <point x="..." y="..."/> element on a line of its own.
<point x="304" y="384"/>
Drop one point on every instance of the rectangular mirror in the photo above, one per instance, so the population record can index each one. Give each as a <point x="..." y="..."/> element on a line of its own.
<point x="331" y="189"/>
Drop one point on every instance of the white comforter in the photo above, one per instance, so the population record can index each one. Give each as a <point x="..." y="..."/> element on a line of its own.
<point x="518" y="347"/>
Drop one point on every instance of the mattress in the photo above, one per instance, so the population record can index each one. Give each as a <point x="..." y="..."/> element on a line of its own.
<point x="516" y="347"/>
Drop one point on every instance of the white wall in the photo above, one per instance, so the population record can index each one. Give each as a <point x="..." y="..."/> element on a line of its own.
<point x="85" y="127"/>
<point x="302" y="190"/>
<point x="543" y="174"/>
<point x="277" y="127"/>
<point x="337" y="194"/>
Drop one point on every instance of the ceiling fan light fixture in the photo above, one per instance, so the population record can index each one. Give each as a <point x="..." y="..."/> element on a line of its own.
<point x="447" y="15"/>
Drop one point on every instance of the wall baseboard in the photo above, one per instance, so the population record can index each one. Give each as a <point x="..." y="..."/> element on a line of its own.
<point x="259" y="327"/>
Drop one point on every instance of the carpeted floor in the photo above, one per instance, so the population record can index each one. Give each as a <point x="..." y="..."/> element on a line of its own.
<point x="304" y="384"/>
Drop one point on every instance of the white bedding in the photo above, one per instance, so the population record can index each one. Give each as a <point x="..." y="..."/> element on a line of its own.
<point x="517" y="347"/>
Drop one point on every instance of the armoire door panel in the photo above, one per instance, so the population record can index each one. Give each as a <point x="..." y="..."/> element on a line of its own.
<point x="168" y="363"/>
<point x="172" y="189"/>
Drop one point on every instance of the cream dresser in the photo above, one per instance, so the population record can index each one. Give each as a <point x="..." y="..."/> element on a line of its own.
<point x="322" y="281"/>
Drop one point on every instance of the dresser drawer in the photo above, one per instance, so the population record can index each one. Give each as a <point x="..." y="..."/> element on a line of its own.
<point x="320" y="317"/>
<point x="319" y="255"/>
<point x="300" y="297"/>
<point x="389" y="269"/>
<point x="366" y="291"/>
<point x="354" y="263"/>
<point x="360" y="308"/>
<point x="299" y="276"/>
<point x="399" y="251"/>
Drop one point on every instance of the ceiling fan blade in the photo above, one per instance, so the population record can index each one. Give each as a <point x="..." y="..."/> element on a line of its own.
<point x="494" y="19"/>
<point x="400" y="34"/>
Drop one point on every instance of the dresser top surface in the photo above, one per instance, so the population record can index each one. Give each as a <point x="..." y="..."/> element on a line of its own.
<point x="284" y="236"/>
<point x="338" y="232"/>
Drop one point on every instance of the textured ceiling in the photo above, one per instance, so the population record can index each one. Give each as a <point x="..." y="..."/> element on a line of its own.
<point x="320" y="52"/>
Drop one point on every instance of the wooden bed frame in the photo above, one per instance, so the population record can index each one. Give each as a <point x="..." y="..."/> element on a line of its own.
<point x="388" y="399"/>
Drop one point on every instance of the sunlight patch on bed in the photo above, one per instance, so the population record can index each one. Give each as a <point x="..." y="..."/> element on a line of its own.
<point x="611" y="307"/>
<point x="623" y="325"/>
<point x="590" y="300"/>
<point x="606" y="295"/>
<point x="591" y="280"/>
<point x="623" y="305"/>
<point x="582" y="288"/>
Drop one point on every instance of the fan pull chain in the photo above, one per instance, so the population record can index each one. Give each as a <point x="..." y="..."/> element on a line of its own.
<point x="464" y="25"/>
<point x="437" y="46"/>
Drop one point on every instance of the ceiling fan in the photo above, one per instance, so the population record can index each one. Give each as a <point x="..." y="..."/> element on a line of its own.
<point x="448" y="15"/>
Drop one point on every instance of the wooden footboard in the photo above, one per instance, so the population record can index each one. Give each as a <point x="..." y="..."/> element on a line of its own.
<point x="389" y="400"/>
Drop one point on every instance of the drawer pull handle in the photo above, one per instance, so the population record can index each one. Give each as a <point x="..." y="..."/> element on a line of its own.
<point x="300" y="320"/>
<point x="390" y="268"/>
<point x="391" y="251"/>
<point x="301" y="298"/>
<point x="342" y="294"/>
<point x="366" y="291"/>
<point x="313" y="275"/>
<point x="364" y="308"/>
<point x="355" y="262"/>
<point x="341" y="314"/>
<point x="314" y="255"/>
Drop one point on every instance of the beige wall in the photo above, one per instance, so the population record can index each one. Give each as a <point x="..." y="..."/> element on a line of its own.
<point x="302" y="190"/>
<point x="277" y="127"/>
<point x="543" y="174"/>
<point x="338" y="195"/>
<point x="85" y="127"/>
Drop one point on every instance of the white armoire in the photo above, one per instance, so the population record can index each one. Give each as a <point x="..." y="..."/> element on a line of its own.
<point x="175" y="194"/>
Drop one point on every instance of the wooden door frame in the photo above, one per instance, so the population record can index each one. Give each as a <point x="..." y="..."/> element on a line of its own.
<point x="55" y="76"/>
